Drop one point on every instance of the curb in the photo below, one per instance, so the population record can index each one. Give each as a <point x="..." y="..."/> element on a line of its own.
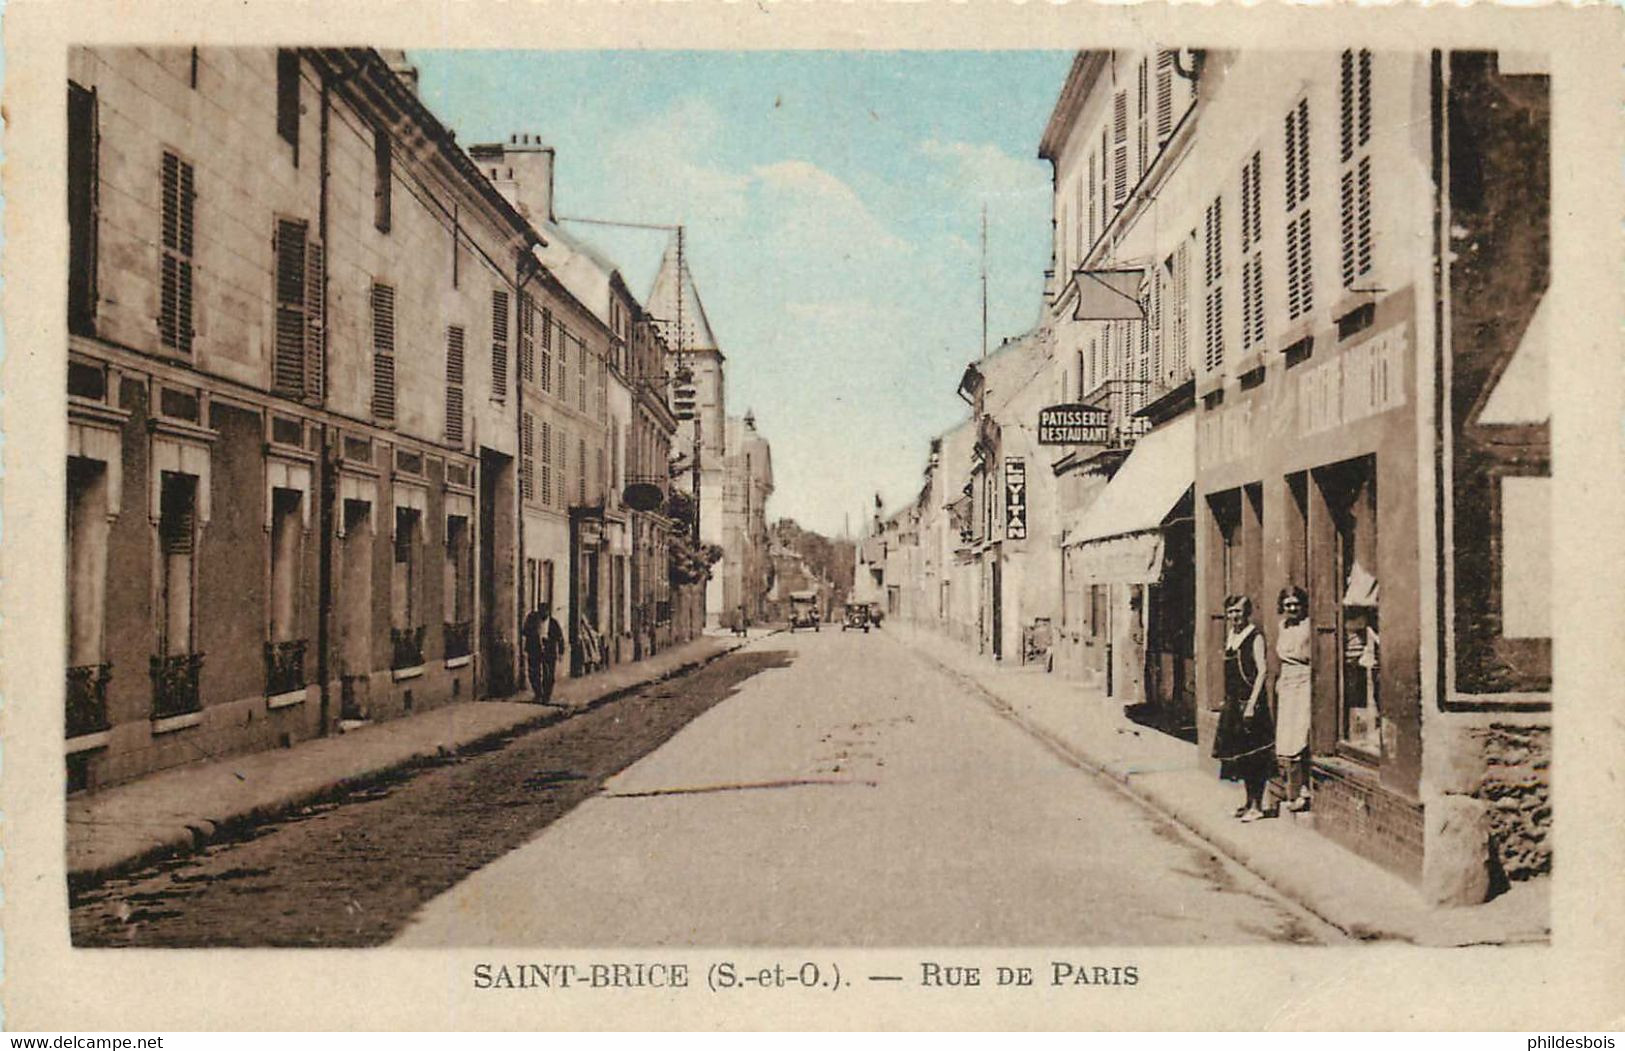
<point x="199" y="833"/>
<point x="1122" y="781"/>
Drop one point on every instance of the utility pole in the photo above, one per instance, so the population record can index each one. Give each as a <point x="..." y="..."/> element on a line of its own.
<point x="984" y="279"/>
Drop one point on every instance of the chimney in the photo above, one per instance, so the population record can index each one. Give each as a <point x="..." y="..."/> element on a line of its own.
<point x="523" y="173"/>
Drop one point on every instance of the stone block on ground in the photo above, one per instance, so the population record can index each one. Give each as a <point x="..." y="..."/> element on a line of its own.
<point x="1456" y="862"/>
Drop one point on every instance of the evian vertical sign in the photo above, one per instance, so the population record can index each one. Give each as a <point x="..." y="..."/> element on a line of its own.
<point x="1015" y="498"/>
<point x="1072" y="424"/>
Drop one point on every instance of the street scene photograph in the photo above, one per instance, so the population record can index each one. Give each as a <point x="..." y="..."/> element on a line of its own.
<point x="672" y="499"/>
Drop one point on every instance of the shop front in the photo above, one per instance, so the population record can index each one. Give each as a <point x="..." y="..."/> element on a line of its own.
<point x="1128" y="558"/>
<point x="1307" y="478"/>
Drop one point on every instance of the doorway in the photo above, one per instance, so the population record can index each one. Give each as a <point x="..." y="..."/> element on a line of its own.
<point x="1345" y="601"/>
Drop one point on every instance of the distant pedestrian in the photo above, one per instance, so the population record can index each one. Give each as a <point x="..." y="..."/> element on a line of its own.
<point x="1245" y="742"/>
<point x="544" y="641"/>
<point x="1292" y="700"/>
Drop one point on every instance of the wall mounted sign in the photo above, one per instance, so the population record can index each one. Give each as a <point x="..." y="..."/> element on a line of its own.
<point x="1015" y="498"/>
<point x="1072" y="424"/>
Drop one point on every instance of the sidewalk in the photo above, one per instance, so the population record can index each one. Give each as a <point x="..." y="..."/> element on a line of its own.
<point x="1358" y="897"/>
<point x="183" y="809"/>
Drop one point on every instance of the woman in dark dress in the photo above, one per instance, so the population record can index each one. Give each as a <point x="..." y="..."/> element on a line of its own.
<point x="1245" y="742"/>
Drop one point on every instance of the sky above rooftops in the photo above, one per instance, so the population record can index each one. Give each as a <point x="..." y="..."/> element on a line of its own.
<point x="833" y="207"/>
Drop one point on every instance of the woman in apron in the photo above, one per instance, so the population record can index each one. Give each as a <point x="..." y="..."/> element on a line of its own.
<point x="1292" y="705"/>
<point x="1245" y="742"/>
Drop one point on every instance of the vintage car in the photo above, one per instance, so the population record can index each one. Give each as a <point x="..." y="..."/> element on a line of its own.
<point x="804" y="610"/>
<point x="857" y="616"/>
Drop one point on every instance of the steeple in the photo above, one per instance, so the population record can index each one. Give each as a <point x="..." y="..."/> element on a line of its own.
<point x="674" y="299"/>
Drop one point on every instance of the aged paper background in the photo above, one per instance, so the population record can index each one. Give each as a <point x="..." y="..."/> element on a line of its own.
<point x="1576" y="983"/>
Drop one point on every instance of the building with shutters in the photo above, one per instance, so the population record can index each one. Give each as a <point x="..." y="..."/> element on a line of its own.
<point x="292" y="423"/>
<point x="746" y="569"/>
<point x="1320" y="278"/>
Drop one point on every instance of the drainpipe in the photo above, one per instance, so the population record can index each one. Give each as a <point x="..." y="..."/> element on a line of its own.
<point x="324" y="466"/>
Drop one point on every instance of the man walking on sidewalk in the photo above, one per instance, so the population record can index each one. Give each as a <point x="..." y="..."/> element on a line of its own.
<point x="544" y="641"/>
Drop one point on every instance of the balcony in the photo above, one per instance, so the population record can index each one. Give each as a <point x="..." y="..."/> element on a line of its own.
<point x="459" y="639"/>
<point x="175" y="684"/>
<point x="284" y="667"/>
<point x="87" y="699"/>
<point x="406" y="647"/>
<point x="1121" y="398"/>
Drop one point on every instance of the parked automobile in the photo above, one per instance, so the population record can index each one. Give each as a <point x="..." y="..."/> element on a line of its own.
<point x="857" y="616"/>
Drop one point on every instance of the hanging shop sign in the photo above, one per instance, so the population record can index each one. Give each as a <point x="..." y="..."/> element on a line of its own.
<point x="1015" y="498"/>
<point x="1072" y="424"/>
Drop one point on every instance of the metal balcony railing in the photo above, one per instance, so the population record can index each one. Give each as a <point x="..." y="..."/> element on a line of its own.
<point x="175" y="684"/>
<point x="1121" y="398"/>
<point x="87" y="699"/>
<point x="406" y="646"/>
<point x="284" y="667"/>
<point x="459" y="639"/>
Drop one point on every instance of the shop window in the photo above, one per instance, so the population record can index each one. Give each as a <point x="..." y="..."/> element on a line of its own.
<point x="1349" y="564"/>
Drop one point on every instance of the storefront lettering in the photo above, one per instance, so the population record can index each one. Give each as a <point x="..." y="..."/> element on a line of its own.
<point x="1363" y="381"/>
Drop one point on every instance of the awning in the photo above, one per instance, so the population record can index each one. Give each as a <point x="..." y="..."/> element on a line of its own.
<point x="1135" y="558"/>
<point x="1122" y="522"/>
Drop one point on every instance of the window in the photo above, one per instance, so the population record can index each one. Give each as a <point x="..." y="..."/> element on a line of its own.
<point x="547" y="350"/>
<point x="381" y="179"/>
<point x="456" y="586"/>
<point x="285" y="648"/>
<point x="1252" y="255"/>
<point x="527" y="456"/>
<point x="499" y="345"/>
<point x="83" y="183"/>
<point x="1105" y="180"/>
<point x="287" y="98"/>
<point x="1176" y="350"/>
<point x="175" y="291"/>
<point x="527" y="338"/>
<point x="454" y="385"/>
<point x="87" y="530"/>
<point x="406" y="633"/>
<point x="296" y="367"/>
<point x="1355" y="153"/>
<point x="1213" y="285"/>
<point x="547" y="464"/>
<point x="383" y="353"/>
<point x="1300" y="273"/>
<point x="1090" y="209"/>
<point x="175" y="667"/>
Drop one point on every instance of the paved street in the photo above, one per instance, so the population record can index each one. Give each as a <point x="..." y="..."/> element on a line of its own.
<point x="858" y="796"/>
<point x="350" y="872"/>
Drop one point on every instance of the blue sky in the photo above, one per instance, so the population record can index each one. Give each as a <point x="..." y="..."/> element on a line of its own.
<point x="833" y="204"/>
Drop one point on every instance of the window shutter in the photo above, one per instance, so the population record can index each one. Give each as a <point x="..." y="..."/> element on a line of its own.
<point x="1213" y="271"/>
<point x="527" y="456"/>
<point x="1142" y="108"/>
<point x="1120" y="147"/>
<point x="287" y="98"/>
<point x="1299" y="255"/>
<point x="546" y="372"/>
<point x="454" y="384"/>
<point x="547" y="463"/>
<point x="581" y="471"/>
<point x="1346" y="94"/>
<point x="1354" y="198"/>
<point x="499" y="344"/>
<point x="83" y="194"/>
<point x="381" y="179"/>
<point x="1165" y="96"/>
<point x="383" y="352"/>
<point x="315" y="321"/>
<point x="288" y="362"/>
<point x="175" y="279"/>
<point x="527" y="338"/>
